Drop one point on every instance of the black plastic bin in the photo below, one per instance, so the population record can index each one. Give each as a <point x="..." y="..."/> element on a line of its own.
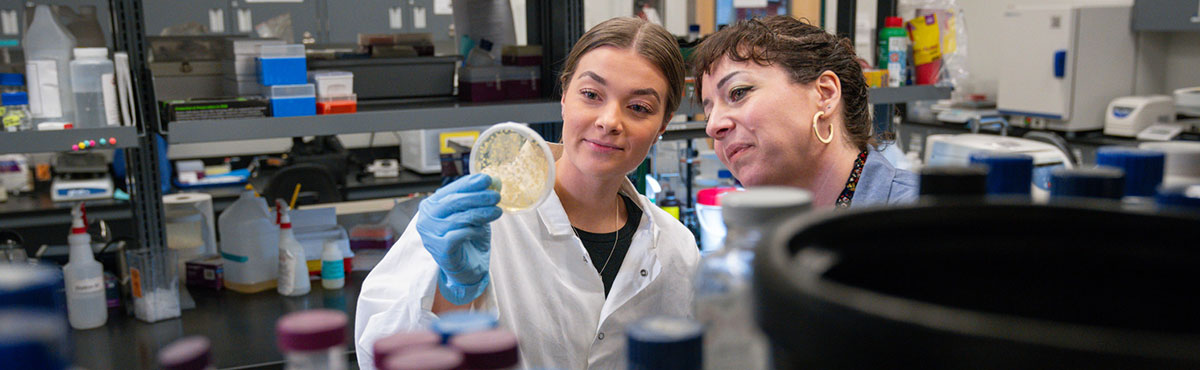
<point x="974" y="286"/>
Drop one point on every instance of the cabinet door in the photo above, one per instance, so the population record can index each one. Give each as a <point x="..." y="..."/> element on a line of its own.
<point x="214" y="15"/>
<point x="348" y="18"/>
<point x="248" y="14"/>
<point x="1037" y="70"/>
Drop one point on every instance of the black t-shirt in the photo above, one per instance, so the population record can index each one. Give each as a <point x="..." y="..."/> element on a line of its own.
<point x="600" y="246"/>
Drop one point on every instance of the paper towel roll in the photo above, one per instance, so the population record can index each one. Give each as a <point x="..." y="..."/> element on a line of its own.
<point x="189" y="224"/>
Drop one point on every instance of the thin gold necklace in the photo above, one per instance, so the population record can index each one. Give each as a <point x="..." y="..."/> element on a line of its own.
<point x="616" y="236"/>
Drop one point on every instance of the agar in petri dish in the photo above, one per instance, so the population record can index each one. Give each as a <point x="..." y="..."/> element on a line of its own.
<point x="520" y="160"/>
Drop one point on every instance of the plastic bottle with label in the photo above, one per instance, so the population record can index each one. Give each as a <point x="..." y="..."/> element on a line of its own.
<point x="293" y="267"/>
<point x="670" y="204"/>
<point x="333" y="266"/>
<point x="249" y="245"/>
<point x="48" y="49"/>
<point x="893" y="50"/>
<point x="95" y="92"/>
<point x="84" y="278"/>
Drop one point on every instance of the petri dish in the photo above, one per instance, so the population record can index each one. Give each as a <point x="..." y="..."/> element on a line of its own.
<point x="520" y="159"/>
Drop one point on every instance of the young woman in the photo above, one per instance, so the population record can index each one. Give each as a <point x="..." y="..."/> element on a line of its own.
<point x="568" y="277"/>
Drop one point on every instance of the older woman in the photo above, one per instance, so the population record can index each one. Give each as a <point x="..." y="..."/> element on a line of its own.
<point x="595" y="256"/>
<point x="787" y="105"/>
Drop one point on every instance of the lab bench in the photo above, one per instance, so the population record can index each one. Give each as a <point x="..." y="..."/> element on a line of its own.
<point x="240" y="326"/>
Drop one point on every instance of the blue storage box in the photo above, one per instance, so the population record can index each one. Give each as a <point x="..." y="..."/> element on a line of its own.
<point x="282" y="65"/>
<point x="293" y="100"/>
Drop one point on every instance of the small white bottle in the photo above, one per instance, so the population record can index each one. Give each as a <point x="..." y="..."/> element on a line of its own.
<point x="95" y="92"/>
<point x="293" y="267"/>
<point x="87" y="307"/>
<point x="333" y="268"/>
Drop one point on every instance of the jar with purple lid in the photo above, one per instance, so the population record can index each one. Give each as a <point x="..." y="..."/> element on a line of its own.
<point x="402" y="342"/>
<point x="188" y="353"/>
<point x="313" y="339"/>
<point x="428" y="358"/>
<point x="492" y="349"/>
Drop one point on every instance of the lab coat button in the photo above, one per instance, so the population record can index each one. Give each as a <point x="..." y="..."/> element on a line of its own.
<point x="600" y="336"/>
<point x="644" y="273"/>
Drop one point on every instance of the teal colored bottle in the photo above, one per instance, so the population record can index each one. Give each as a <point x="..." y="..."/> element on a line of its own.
<point x="893" y="27"/>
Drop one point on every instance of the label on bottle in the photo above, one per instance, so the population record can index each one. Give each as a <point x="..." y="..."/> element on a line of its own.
<point x="41" y="77"/>
<point x="331" y="270"/>
<point x="87" y="286"/>
<point x="672" y="210"/>
<point x="286" y="270"/>
<point x="135" y="281"/>
<point x="108" y="90"/>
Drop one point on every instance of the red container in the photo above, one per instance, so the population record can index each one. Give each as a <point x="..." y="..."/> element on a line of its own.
<point x="337" y="107"/>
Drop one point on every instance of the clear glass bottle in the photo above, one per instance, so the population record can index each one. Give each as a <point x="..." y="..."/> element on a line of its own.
<point x="15" y="114"/>
<point x="313" y="339"/>
<point x="723" y="300"/>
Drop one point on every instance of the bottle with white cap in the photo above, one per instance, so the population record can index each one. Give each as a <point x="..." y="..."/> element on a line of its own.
<point x="95" y="92"/>
<point x="87" y="307"/>
<point x="723" y="283"/>
<point x="293" y="267"/>
<point x="333" y="266"/>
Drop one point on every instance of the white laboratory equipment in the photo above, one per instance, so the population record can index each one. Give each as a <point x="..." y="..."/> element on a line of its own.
<point x="293" y="267"/>
<point x="1063" y="64"/>
<point x="190" y="232"/>
<point x="87" y="307"/>
<point x="1129" y="115"/>
<point x="1182" y="165"/>
<point x="723" y="297"/>
<point x="94" y="89"/>
<point x="48" y="49"/>
<point x="249" y="245"/>
<point x="421" y="150"/>
<point x="955" y="150"/>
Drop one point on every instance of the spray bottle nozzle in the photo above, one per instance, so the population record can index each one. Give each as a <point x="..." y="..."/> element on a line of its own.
<point x="281" y="216"/>
<point x="78" y="219"/>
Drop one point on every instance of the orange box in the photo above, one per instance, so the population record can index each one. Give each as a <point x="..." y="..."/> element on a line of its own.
<point x="337" y="107"/>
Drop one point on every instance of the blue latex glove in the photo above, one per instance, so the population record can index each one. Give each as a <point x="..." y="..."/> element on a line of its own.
<point x="453" y="225"/>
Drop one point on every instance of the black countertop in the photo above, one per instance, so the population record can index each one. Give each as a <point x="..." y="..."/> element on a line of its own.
<point x="240" y="326"/>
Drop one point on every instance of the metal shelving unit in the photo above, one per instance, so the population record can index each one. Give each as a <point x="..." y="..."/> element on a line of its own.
<point x="456" y="115"/>
<point x="904" y="94"/>
<point x="61" y="140"/>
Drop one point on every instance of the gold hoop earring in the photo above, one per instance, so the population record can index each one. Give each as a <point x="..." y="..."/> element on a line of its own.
<point x="817" y="133"/>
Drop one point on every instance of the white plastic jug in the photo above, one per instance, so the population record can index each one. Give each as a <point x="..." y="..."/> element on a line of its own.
<point x="95" y="92"/>
<point x="48" y="47"/>
<point x="249" y="245"/>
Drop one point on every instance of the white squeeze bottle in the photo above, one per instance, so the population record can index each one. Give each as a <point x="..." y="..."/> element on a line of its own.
<point x="333" y="267"/>
<point x="84" y="278"/>
<point x="48" y="49"/>
<point x="293" y="267"/>
<point x="95" y="92"/>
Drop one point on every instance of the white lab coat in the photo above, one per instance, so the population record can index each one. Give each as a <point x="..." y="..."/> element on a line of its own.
<point x="543" y="287"/>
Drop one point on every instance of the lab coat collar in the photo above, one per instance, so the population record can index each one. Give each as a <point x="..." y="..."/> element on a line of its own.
<point x="642" y="254"/>
<point x="553" y="215"/>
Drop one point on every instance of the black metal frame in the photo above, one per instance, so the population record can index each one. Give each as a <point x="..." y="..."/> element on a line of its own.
<point x="142" y="175"/>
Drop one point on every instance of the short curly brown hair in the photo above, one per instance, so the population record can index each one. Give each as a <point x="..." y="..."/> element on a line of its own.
<point x="804" y="51"/>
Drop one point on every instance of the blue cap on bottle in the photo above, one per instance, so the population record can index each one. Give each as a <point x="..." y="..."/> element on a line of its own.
<point x="32" y="287"/>
<point x="1097" y="182"/>
<point x="663" y="342"/>
<point x="14" y="98"/>
<point x="1143" y="168"/>
<point x="461" y="322"/>
<point x="12" y="79"/>
<point x="1179" y="196"/>
<point x="1008" y="173"/>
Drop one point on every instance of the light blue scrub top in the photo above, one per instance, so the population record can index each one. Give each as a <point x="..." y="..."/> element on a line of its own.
<point x="883" y="184"/>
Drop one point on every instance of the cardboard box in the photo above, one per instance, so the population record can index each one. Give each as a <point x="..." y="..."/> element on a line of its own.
<point x="206" y="272"/>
